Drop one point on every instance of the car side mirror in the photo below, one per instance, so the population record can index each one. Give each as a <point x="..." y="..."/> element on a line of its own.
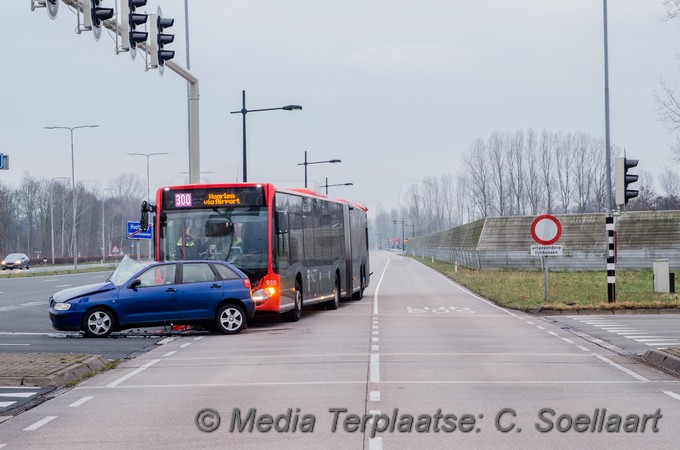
<point x="135" y="283"/>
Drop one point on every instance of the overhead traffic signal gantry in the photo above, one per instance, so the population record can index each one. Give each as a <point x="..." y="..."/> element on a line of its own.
<point x="158" y="40"/>
<point x="624" y="180"/>
<point x="96" y="16"/>
<point x="130" y="19"/>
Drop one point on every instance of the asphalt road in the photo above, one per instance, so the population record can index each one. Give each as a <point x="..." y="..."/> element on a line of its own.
<point x="418" y="362"/>
<point x="25" y="325"/>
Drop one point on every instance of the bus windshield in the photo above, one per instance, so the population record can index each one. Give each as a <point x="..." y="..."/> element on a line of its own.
<point x="237" y="235"/>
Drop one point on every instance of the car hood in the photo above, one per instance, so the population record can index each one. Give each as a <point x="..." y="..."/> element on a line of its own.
<point x="75" y="292"/>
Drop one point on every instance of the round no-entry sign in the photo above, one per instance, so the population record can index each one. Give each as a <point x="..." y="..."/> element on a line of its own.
<point x="546" y="229"/>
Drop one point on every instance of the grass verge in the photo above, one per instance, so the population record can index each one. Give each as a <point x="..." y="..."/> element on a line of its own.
<point x="567" y="291"/>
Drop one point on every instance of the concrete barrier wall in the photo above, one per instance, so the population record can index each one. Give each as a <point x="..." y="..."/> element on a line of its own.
<point x="505" y="242"/>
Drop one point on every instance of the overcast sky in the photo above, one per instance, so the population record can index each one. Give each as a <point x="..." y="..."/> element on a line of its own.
<point x="397" y="90"/>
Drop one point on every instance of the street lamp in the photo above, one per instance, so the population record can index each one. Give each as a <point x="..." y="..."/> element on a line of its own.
<point x="148" y="191"/>
<point x="52" y="214"/>
<point x="74" y="235"/>
<point x="331" y="185"/>
<point x="148" y="155"/>
<point x="306" y="163"/>
<point x="403" y="223"/>
<point x="245" y="111"/>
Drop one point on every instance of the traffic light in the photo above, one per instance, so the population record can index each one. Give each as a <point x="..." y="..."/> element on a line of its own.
<point x="97" y="16"/>
<point x="129" y="22"/>
<point x="624" y="180"/>
<point x="158" y="40"/>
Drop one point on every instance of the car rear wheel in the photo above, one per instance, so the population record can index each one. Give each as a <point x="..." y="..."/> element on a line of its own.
<point x="230" y="319"/>
<point x="98" y="323"/>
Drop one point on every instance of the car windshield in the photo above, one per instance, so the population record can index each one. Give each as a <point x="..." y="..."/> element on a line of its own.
<point x="127" y="267"/>
<point x="14" y="256"/>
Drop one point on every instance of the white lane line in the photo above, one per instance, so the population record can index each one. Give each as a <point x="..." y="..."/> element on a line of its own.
<point x="170" y="353"/>
<point x="77" y="403"/>
<point x="185" y="345"/>
<point x="375" y="339"/>
<point x="620" y="367"/>
<point x="40" y="423"/>
<point x="582" y="348"/>
<point x="568" y="341"/>
<point x="662" y="345"/>
<point x="377" y="289"/>
<point x="473" y="295"/>
<point x="132" y="374"/>
<point x="651" y="338"/>
<point x="198" y="338"/>
<point x="540" y="327"/>
<point x="374" y="396"/>
<point x="672" y="394"/>
<point x="375" y="368"/>
<point x="552" y="333"/>
<point x="63" y="285"/>
<point x="375" y="348"/>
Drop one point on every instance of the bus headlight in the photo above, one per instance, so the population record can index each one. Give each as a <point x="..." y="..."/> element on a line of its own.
<point x="262" y="295"/>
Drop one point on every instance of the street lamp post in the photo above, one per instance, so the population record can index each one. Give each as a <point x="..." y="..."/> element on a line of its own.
<point x="103" y="235"/>
<point x="245" y="111"/>
<point x="74" y="235"/>
<point x="52" y="214"/>
<point x="403" y="223"/>
<point x="306" y="163"/>
<point x="148" y="190"/>
<point x="331" y="185"/>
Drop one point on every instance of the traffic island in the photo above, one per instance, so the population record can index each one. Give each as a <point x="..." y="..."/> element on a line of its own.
<point x="668" y="359"/>
<point x="47" y="369"/>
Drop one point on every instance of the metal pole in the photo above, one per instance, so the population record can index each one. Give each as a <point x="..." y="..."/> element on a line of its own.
<point x="326" y="185"/>
<point x="244" y="111"/>
<point x="606" y="112"/>
<point x="103" y="237"/>
<point x="52" y="222"/>
<point x="306" y="172"/>
<point x="74" y="234"/>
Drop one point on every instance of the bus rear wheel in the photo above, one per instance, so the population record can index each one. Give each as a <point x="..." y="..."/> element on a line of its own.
<point x="335" y="302"/>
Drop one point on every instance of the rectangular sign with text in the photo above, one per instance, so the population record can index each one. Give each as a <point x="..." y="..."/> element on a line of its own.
<point x="546" y="250"/>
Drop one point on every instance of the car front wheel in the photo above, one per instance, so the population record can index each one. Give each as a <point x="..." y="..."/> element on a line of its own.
<point x="230" y="319"/>
<point x="98" y="323"/>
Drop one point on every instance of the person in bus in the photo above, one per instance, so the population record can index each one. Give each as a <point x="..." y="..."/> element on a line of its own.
<point x="187" y="246"/>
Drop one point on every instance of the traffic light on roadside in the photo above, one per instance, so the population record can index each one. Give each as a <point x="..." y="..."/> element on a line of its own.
<point x="624" y="180"/>
<point x="158" y="40"/>
<point x="97" y="16"/>
<point x="129" y="22"/>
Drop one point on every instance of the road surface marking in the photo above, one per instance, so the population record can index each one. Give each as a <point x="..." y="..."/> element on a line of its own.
<point x="375" y="368"/>
<point x="620" y="367"/>
<point x="40" y="423"/>
<point x="672" y="394"/>
<point x="80" y="402"/>
<point x="133" y="373"/>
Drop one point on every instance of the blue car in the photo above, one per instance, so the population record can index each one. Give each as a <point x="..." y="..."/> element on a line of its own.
<point x="213" y="293"/>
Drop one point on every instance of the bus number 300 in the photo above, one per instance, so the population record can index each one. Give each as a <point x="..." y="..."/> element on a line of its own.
<point x="182" y="200"/>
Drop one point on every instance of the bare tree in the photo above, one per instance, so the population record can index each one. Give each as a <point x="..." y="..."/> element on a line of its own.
<point x="585" y="156"/>
<point x="498" y="177"/>
<point x="478" y="176"/>
<point x="564" y="157"/>
<point x="547" y="151"/>
<point x="517" y="171"/>
<point x="669" y="182"/>
<point x="533" y="181"/>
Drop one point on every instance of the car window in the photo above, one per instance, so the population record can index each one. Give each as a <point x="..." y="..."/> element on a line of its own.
<point x="197" y="272"/>
<point x="158" y="275"/>
<point x="226" y="273"/>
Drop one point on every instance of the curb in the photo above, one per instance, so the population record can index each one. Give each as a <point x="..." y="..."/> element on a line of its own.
<point x="61" y="377"/>
<point x="602" y="312"/>
<point x="668" y="359"/>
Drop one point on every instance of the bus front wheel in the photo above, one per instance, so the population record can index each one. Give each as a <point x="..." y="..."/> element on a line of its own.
<point x="294" y="314"/>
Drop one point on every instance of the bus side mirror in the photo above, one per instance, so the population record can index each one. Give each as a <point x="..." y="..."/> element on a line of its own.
<point x="144" y="220"/>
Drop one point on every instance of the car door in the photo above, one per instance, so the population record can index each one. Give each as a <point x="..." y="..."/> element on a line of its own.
<point x="201" y="291"/>
<point x="155" y="299"/>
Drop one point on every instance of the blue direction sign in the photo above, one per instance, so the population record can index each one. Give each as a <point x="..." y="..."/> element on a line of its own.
<point x="134" y="231"/>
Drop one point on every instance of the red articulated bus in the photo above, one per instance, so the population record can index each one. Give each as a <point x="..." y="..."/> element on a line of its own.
<point x="299" y="248"/>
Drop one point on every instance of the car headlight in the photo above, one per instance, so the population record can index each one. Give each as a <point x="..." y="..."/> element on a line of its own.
<point x="261" y="295"/>
<point x="62" y="306"/>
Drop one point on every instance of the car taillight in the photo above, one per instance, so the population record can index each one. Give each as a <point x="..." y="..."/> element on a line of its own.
<point x="246" y="283"/>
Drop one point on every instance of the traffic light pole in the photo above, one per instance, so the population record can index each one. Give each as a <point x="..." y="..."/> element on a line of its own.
<point x="192" y="92"/>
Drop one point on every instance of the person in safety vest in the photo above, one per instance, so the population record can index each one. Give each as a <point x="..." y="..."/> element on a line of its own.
<point x="188" y="247"/>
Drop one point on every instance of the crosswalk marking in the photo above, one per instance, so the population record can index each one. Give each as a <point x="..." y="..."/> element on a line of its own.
<point x="644" y="337"/>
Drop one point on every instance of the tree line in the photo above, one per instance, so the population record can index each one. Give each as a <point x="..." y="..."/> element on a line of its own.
<point x="522" y="173"/>
<point x="39" y="214"/>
